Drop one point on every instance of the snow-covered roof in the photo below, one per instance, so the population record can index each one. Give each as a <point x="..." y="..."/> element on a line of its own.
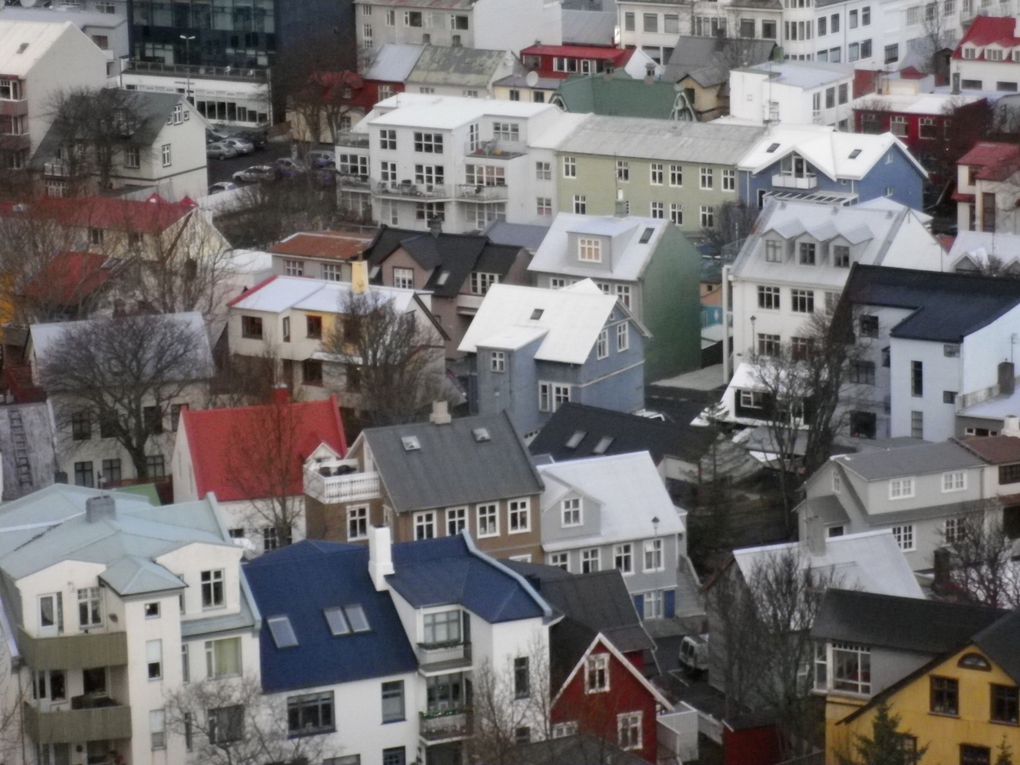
<point x="633" y="501"/>
<point x="938" y="104"/>
<point x="570" y="320"/>
<point x="283" y="293"/>
<point x="837" y="155"/>
<point x="393" y="62"/>
<point x="24" y="43"/>
<point x="979" y="247"/>
<point x="802" y="74"/>
<point x="446" y="112"/>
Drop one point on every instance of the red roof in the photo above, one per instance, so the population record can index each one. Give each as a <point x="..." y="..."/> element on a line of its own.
<point x="231" y="449"/>
<point x="910" y="73"/>
<point x="990" y="153"/>
<point x="986" y="30"/>
<point x="69" y="277"/>
<point x="323" y="244"/>
<point x="149" y="217"/>
<point x="616" y="55"/>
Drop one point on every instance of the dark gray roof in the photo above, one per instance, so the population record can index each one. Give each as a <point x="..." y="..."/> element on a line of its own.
<point x="907" y="624"/>
<point x="708" y="60"/>
<point x="451" y="467"/>
<point x="879" y="464"/>
<point x="946" y="306"/>
<point x="999" y="641"/>
<point x="528" y="236"/>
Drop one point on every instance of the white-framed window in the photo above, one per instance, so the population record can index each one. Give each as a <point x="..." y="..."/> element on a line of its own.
<point x="769" y="298"/>
<point x="623" y="558"/>
<point x="676" y="213"/>
<point x="564" y="729"/>
<point x="705" y="178"/>
<point x="456" y="520"/>
<point x="223" y="657"/>
<point x="90" y="612"/>
<point x="652" y="605"/>
<point x="388" y="139"/>
<point x="623" y="171"/>
<point x="132" y="157"/>
<point x="10" y="90"/>
<point x="953" y="530"/>
<point x="901" y="488"/>
<point x="729" y="180"/>
<point x="157" y="729"/>
<point x="622" y="337"/>
<point x="602" y="344"/>
<point x="212" y="588"/>
<point x="803" y="301"/>
<point x="751" y="399"/>
<point x="707" y="216"/>
<point x="591" y="560"/>
<point x="773" y="251"/>
<point x="628" y="730"/>
<point x="428" y="143"/>
<point x="497" y="361"/>
<point x="560" y="560"/>
<point x="506" y="131"/>
<point x="487" y="520"/>
<point x="518" y="516"/>
<point x="164" y="152"/>
<point x="851" y="668"/>
<point x="904" y="536"/>
<point x="552" y="395"/>
<point x="425" y="525"/>
<point x="656" y="173"/>
<point x="676" y="176"/>
<point x="570" y="167"/>
<point x="543" y="205"/>
<point x="152" y="610"/>
<point x="293" y="267"/>
<point x="657" y="210"/>
<point x="543" y="171"/>
<point x="570" y="512"/>
<point x="589" y="250"/>
<point x="580" y="204"/>
<point x="357" y="522"/>
<point x="154" y="659"/>
<point x="596" y="673"/>
<point x="332" y="272"/>
<point x="653" y="555"/>
<point x="403" y="278"/>
<point x="482" y="280"/>
<point x="955" y="480"/>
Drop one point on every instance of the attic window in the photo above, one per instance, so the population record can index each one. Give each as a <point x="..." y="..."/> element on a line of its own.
<point x="604" y="443"/>
<point x="282" y="631"/>
<point x="772" y="148"/>
<point x="855" y="154"/>
<point x="356" y="618"/>
<point x="481" y="435"/>
<point x="410" y="443"/>
<point x="576" y="439"/>
<point x="444" y="277"/>
<point x="646" y="235"/>
<point x="337" y="621"/>
<point x="374" y="272"/>
<point x="537" y="314"/>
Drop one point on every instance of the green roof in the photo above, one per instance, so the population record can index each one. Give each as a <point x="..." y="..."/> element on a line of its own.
<point x="618" y="96"/>
<point x="146" y="490"/>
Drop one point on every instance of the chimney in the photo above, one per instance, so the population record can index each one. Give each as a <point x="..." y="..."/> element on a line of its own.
<point x="1007" y="378"/>
<point x="1011" y="426"/>
<point x="380" y="556"/>
<point x="281" y="394"/>
<point x="621" y="205"/>
<point x="941" y="563"/>
<point x="440" y="413"/>
<point x="814" y="535"/>
<point x="435" y="225"/>
<point x="359" y="277"/>
<point x="100" y="508"/>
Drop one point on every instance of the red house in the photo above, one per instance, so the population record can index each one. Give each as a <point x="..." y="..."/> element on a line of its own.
<point x="563" y="61"/>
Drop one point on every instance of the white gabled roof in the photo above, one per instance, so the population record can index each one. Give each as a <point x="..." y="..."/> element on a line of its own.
<point x="829" y="151"/>
<point x="24" y="43"/>
<point x="571" y="319"/>
<point x="446" y="112"/>
<point x="283" y="293"/>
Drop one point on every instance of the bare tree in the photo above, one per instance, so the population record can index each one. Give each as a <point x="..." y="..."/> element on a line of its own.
<point x="733" y="222"/>
<point x="935" y="38"/>
<point x="125" y="373"/>
<point x="395" y="358"/>
<point x="233" y="723"/>
<point x="980" y="561"/>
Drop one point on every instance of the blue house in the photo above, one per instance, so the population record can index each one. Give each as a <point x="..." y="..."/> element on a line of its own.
<point x="535" y="349"/>
<point x="817" y="163"/>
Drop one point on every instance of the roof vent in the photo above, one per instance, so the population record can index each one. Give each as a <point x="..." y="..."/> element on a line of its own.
<point x="100" y="508"/>
<point x="282" y="631"/>
<point x="410" y="443"/>
<point x="855" y="154"/>
<point x="481" y="435"/>
<point x="537" y="314"/>
<point x="23" y="47"/>
<point x="576" y="439"/>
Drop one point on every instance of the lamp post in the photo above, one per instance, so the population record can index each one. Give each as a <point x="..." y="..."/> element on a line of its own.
<point x="187" y="63"/>
<point x="754" y="337"/>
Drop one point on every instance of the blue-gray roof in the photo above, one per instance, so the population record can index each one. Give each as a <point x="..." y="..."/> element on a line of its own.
<point x="449" y="571"/>
<point x="280" y="583"/>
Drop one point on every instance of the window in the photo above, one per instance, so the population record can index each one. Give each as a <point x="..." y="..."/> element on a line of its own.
<point x="497" y="361"/>
<point x="841" y="256"/>
<point x="650" y="22"/>
<point x="729" y="180"/>
<point x="425" y="525"/>
<point x="953" y="530"/>
<point x="560" y="560"/>
<point x="157" y="729"/>
<point x="773" y="251"/>
<point x="487" y="520"/>
<point x="543" y="205"/>
<point x="132" y="158"/>
<point x="10" y="90"/>
<point x="522" y="678"/>
<point x="705" y="178"/>
<point x="394" y="756"/>
<point x="311" y="713"/>
<point x="803" y="301"/>
<point x="357" y="522"/>
<point x="151" y="610"/>
<point x="552" y="395"/>
<point x="90" y="613"/>
<point x="975" y="755"/>
<point x="154" y="658"/>
<point x="801" y="348"/>
<point x="768" y="30"/>
<point x="657" y="210"/>
<point x="481" y="281"/>
<point x="628" y="21"/>
<point x="707" y="216"/>
<point x="623" y="170"/>
<point x="623" y="558"/>
<point x="543" y="171"/>
<point x="1009" y="473"/>
<point x="676" y="175"/>
<point x="901" y="488"/>
<point x="251" y="327"/>
<point x="862" y="372"/>
<point x="652" y="605"/>
<point x="393" y="701"/>
<point x="589" y="250"/>
<point x="388" y="139"/>
<point x="212" y="588"/>
<point x="868" y="325"/>
<point x="442" y="628"/>
<point x="580" y="204"/>
<point x="768" y="345"/>
<point x="954" y="481"/>
<point x="916" y="378"/>
<point x="653" y="555"/>
<point x="768" y="298"/>
<point x="945" y="695"/>
<point x="851" y="668"/>
<point x="602" y="344"/>
<point x="628" y="730"/>
<point x="570" y="512"/>
<point x="428" y="143"/>
<point x="458" y="21"/>
<point x="403" y="278"/>
<point x="83" y="474"/>
<point x="569" y="167"/>
<point x="81" y="426"/>
<point x="596" y="673"/>
<point x="456" y="520"/>
<point x="822" y="28"/>
<point x="1005" y="704"/>
<point x="331" y="272"/>
<point x="656" y="173"/>
<point x="153" y="418"/>
<point x="165" y="154"/>
<point x="591" y="560"/>
<point x="904" y="536"/>
<point x="807" y="253"/>
<point x="676" y="213"/>
<point x="223" y="657"/>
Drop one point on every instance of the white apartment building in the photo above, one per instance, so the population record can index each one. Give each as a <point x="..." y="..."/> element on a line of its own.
<point x="110" y="605"/>
<point x="104" y="21"/>
<point x="489" y="24"/>
<point x="797" y="92"/>
<point x="465" y="162"/>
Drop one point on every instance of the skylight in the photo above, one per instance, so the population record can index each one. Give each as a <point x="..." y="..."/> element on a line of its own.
<point x="444" y="277"/>
<point x="537" y="314"/>
<point x="282" y="631"/>
<point x="772" y="148"/>
<point x="575" y="439"/>
<point x="410" y="443"/>
<point x="481" y="435"/>
<point x="855" y="154"/>
<point x="604" y="443"/>
<point x="646" y="235"/>
<point x="337" y="621"/>
<point x="356" y="618"/>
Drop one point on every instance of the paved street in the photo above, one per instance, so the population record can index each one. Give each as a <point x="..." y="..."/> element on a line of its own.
<point x="222" y="169"/>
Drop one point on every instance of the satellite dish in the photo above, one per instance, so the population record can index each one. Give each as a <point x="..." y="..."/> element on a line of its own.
<point x="28" y="3"/>
<point x="531" y="78"/>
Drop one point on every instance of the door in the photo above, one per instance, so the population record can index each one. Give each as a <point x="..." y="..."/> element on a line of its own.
<point x="51" y="617"/>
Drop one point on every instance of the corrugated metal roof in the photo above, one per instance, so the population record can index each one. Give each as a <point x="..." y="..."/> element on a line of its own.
<point x="463" y="67"/>
<point x="879" y="464"/>
<point x="393" y="62"/>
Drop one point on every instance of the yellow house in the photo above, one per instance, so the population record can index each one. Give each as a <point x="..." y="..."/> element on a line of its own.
<point x="961" y="705"/>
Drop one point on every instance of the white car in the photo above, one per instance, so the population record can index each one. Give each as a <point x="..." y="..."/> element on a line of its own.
<point x="255" y="173"/>
<point x="220" y="150"/>
<point x="242" y="146"/>
<point x="219" y="186"/>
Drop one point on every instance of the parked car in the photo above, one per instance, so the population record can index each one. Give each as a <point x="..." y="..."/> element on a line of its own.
<point x="257" y="138"/>
<point x="693" y="655"/>
<point x="220" y="150"/>
<point x="289" y="167"/>
<point x="242" y="146"/>
<point x="215" y="136"/>
<point x="320" y="158"/>
<point x="219" y="186"/>
<point x="255" y="173"/>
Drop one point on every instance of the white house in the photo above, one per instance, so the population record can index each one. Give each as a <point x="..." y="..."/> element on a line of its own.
<point x="104" y="22"/>
<point x="987" y="58"/>
<point x="794" y="92"/>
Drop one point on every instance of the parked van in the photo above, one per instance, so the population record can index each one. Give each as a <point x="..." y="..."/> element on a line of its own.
<point x="694" y="654"/>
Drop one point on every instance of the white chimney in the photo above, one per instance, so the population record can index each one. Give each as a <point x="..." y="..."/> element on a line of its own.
<point x="440" y="413"/>
<point x="380" y="556"/>
<point x="1011" y="426"/>
<point x="814" y="535"/>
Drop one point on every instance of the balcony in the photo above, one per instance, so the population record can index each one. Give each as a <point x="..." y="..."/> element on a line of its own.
<point x="88" y="719"/>
<point x="443" y="657"/>
<point x="495" y="148"/>
<point x="195" y="72"/>
<point x="409" y="190"/>
<point x="784" y="181"/>
<point x="347" y="138"/>
<point x="468" y="305"/>
<point x="340" y="484"/>
<point x="352" y="181"/>
<point x="471" y="193"/>
<point x="16" y="108"/>
<point x="446" y="725"/>
<point x="57" y="169"/>
<point x="79" y="651"/>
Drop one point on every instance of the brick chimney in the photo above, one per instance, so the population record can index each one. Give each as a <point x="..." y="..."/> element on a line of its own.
<point x="814" y="535"/>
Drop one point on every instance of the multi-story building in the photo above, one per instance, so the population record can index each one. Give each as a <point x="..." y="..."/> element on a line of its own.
<point x="430" y="480"/>
<point x="987" y="188"/>
<point x="104" y="21"/>
<point x="793" y="92"/>
<point x="677" y="171"/>
<point x="318" y="254"/>
<point x="111" y="606"/>
<point x="459" y="71"/>
<point x="986" y="58"/>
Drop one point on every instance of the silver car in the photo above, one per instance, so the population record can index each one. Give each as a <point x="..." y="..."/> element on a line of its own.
<point x="242" y="145"/>
<point x="220" y="150"/>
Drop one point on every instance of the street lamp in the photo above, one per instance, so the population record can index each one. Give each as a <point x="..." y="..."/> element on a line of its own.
<point x="754" y="337"/>
<point x="187" y="63"/>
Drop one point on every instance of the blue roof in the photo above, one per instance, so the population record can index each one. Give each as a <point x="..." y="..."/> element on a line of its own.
<point x="445" y="571"/>
<point x="338" y="573"/>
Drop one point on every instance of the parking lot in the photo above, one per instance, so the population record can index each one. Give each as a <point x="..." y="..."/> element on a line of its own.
<point x="223" y="169"/>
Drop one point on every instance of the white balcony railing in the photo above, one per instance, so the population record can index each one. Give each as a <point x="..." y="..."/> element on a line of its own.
<point x="340" y="488"/>
<point x="782" y="180"/>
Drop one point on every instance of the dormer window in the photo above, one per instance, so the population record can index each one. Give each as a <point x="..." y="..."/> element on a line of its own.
<point x="807" y="253"/>
<point x="841" y="256"/>
<point x="589" y="250"/>
<point x="795" y="166"/>
<point x="773" y="251"/>
<point x="993" y="54"/>
<point x="970" y="52"/>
